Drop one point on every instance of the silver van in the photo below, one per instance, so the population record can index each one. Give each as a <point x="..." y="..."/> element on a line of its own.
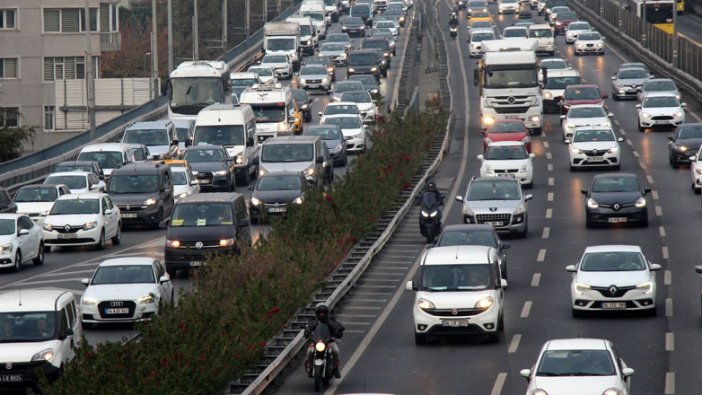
<point x="306" y="154"/>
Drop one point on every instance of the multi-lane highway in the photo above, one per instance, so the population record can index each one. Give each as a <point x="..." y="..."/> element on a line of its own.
<point x="65" y="267"/>
<point x="378" y="350"/>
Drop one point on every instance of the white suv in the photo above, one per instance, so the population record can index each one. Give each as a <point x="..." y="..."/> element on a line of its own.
<point x="459" y="291"/>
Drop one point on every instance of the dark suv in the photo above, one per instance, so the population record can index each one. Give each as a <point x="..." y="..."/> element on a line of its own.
<point x="143" y="191"/>
<point x="365" y="61"/>
<point x="379" y="44"/>
<point x="204" y="225"/>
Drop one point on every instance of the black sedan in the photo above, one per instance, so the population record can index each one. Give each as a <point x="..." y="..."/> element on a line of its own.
<point x="333" y="138"/>
<point x="275" y="192"/>
<point x="616" y="198"/>
<point x="684" y="143"/>
<point x="212" y="166"/>
<point x="354" y="26"/>
<point x="475" y="235"/>
<point x="304" y="103"/>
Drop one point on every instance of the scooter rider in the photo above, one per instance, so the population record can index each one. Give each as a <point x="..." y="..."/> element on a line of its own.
<point x="431" y="188"/>
<point x="321" y="314"/>
<point x="453" y="19"/>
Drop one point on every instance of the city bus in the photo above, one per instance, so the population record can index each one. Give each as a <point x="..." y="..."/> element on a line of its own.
<point x="658" y="12"/>
<point x="194" y="85"/>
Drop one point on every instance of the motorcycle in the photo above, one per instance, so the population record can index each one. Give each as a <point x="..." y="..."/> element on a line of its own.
<point x="321" y="362"/>
<point x="429" y="216"/>
<point x="454" y="31"/>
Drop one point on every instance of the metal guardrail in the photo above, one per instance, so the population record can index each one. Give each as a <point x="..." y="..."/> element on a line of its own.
<point x="34" y="167"/>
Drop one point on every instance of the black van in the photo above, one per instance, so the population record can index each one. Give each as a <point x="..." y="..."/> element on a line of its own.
<point x="364" y="11"/>
<point x="206" y="224"/>
<point x="143" y="191"/>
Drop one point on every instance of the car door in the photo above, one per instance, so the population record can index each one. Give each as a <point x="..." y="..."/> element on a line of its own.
<point x="67" y="321"/>
<point x="111" y="221"/>
<point x="165" y="288"/>
<point x="31" y="242"/>
<point x="243" y="227"/>
<point x="251" y="150"/>
<point x="167" y="194"/>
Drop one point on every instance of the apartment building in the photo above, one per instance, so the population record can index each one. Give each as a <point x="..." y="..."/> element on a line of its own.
<point x="44" y="43"/>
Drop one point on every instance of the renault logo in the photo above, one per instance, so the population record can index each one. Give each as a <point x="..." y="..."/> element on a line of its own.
<point x="198" y="245"/>
<point x="67" y="228"/>
<point x="510" y="100"/>
<point x="8" y="366"/>
<point x="612" y="290"/>
<point x="594" y="152"/>
<point x="116" y="304"/>
<point x="616" y="206"/>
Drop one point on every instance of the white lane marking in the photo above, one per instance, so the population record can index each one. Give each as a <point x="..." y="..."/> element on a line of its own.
<point x="669" y="342"/>
<point x="514" y="344"/>
<point x="354" y="331"/>
<point x="542" y="255"/>
<point x="546" y="233"/>
<point x="636" y="154"/>
<point x="546" y="145"/>
<point x="642" y="165"/>
<point x="549" y="156"/>
<point x="628" y="142"/>
<point x="536" y="279"/>
<point x="669" y="383"/>
<point x="549" y="167"/>
<point x="526" y="309"/>
<point x="669" y="307"/>
<point x="649" y="178"/>
<point x="667" y="277"/>
<point x="616" y="122"/>
<point x="654" y="194"/>
<point x="356" y="315"/>
<point x="622" y="132"/>
<point x="659" y="211"/>
<point x="665" y="252"/>
<point x="361" y="307"/>
<point x="549" y="197"/>
<point x="661" y="231"/>
<point x="361" y="300"/>
<point x="71" y="272"/>
<point x="59" y="280"/>
<point x="551" y="181"/>
<point x="549" y="212"/>
<point x="499" y="383"/>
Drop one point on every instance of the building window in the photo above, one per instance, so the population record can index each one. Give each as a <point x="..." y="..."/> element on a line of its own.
<point x="109" y="18"/>
<point x="8" y="19"/>
<point x="10" y="116"/>
<point x="67" y="68"/>
<point x="49" y="114"/>
<point x="69" y="20"/>
<point x="8" y="68"/>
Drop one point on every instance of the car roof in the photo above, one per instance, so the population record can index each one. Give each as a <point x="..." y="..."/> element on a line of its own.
<point x="77" y="162"/>
<point x="140" y="167"/>
<point x="505" y="143"/>
<point x="576" y="344"/>
<point x="349" y="82"/>
<point x="242" y="75"/>
<point x="132" y="260"/>
<point x="451" y="255"/>
<point x="613" y="247"/>
<point x="582" y="86"/>
<point x="203" y="147"/>
<point x="363" y="51"/>
<point x="596" y="105"/>
<point x="10" y="216"/>
<point x="149" y="124"/>
<point x="609" y="175"/>
<point x="82" y="195"/>
<point x="282" y="173"/>
<point x="299" y="139"/>
<point x="214" y="197"/>
<point x="660" y="94"/>
<point x="494" y="178"/>
<point x="38" y="186"/>
<point x="71" y="173"/>
<point x="36" y="299"/>
<point x="105" y="147"/>
<point x="342" y="103"/>
<point x="461" y="227"/>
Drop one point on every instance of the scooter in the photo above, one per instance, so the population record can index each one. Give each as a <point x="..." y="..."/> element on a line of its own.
<point x="454" y="31"/>
<point x="321" y="363"/>
<point x="429" y="216"/>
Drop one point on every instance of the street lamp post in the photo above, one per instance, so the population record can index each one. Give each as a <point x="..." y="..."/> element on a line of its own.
<point x="674" y="57"/>
<point x="147" y="71"/>
<point x="643" y="23"/>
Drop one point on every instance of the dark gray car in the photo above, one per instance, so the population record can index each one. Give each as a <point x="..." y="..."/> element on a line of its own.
<point x="333" y="138"/>
<point x="275" y="192"/>
<point x="212" y="166"/>
<point x="627" y="82"/>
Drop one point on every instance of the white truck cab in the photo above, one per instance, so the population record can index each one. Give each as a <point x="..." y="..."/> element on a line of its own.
<point x="274" y="109"/>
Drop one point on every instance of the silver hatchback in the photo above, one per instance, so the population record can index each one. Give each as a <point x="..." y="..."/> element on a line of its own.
<point x="627" y="82"/>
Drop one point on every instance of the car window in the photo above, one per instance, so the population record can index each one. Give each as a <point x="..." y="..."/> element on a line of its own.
<point x="581" y="136"/>
<point x="124" y="274"/>
<point x="26" y="195"/>
<point x="76" y="206"/>
<point x="612" y="261"/>
<point x="494" y="190"/>
<point x="439" y="278"/>
<point x="506" y="152"/>
<point x="202" y="214"/>
<point x="575" y="363"/>
<point x="480" y="237"/>
<point x="615" y="184"/>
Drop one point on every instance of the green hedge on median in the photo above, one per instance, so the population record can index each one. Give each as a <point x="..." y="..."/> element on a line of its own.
<point x="239" y="303"/>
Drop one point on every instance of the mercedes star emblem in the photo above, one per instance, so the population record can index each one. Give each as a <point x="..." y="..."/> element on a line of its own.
<point x="616" y="206"/>
<point x="198" y="245"/>
<point x="510" y="100"/>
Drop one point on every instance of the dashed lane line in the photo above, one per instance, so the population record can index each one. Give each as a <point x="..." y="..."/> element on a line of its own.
<point x="499" y="383"/>
<point x="667" y="277"/>
<point x="659" y="211"/>
<point x="549" y="212"/>
<point x="549" y="197"/>
<point x="649" y="178"/>
<point x="536" y="279"/>
<point x="665" y="252"/>
<point x="669" y="383"/>
<point x="551" y="181"/>
<point x="546" y="144"/>
<point x="669" y="341"/>
<point x="542" y="255"/>
<point x="661" y="231"/>
<point x="546" y="232"/>
<point x="549" y="167"/>
<point x="514" y="344"/>
<point x="549" y="156"/>
<point x="635" y="153"/>
<point x="526" y="309"/>
<point x="668" y="307"/>
<point x="654" y="194"/>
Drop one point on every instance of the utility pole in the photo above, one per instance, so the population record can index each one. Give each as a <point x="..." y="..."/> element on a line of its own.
<point x="674" y="58"/>
<point x="247" y="23"/>
<point x="89" y="74"/>
<point x="225" y="28"/>
<point x="265" y="11"/>
<point x="643" y="23"/>
<point x="196" y="36"/>
<point x="154" y="51"/>
<point x="170" y="36"/>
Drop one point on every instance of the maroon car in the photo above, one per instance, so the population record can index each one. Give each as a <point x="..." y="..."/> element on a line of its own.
<point x="562" y="20"/>
<point x="581" y="94"/>
<point x="507" y="130"/>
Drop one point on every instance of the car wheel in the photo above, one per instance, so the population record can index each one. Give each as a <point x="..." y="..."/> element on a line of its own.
<point x="573" y="168"/>
<point x="529" y="185"/>
<point x="18" y="261"/>
<point x="674" y="163"/>
<point x="157" y="224"/>
<point x="694" y="189"/>
<point x="644" y="222"/>
<point x="577" y="313"/>
<point x="117" y="239"/>
<point x="172" y="273"/>
<point x="652" y="312"/>
<point x="39" y="260"/>
<point x="494" y="337"/>
<point x="101" y="243"/>
<point x="47" y="248"/>
<point x="642" y="129"/>
<point x="523" y="235"/>
<point x="501" y="323"/>
<point x="245" y="179"/>
<point x="588" y="223"/>
<point x="615" y="97"/>
<point x="420" y="339"/>
<point x="87" y="325"/>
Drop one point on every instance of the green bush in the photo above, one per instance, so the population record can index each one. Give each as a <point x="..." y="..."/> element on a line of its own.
<point x="239" y="303"/>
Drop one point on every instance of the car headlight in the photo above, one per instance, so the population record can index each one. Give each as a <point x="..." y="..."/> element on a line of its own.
<point x="298" y="200"/>
<point x="612" y="391"/>
<point x="591" y="203"/>
<point x="576" y="151"/>
<point x="47" y="227"/>
<point x="357" y="136"/>
<point x="309" y="171"/>
<point x="149" y="202"/>
<point x="182" y="195"/>
<point x="488" y="120"/>
<point x="484" y="303"/>
<point x="239" y="159"/>
<point x="680" y="148"/>
<point x="606" y="124"/>
<point x="640" y="202"/>
<point x="521" y="209"/>
<point x="309" y="42"/>
<point x="352" y="70"/>
<point x="386" y="54"/>
<point x="548" y="95"/>
<point x="172" y="243"/>
<point x="227" y="242"/>
<point x="282" y="127"/>
<point x="88" y="301"/>
<point x="598" y="45"/>
<point x="678" y="114"/>
<point x="645" y="115"/>
<point x="569" y="126"/>
<point x="374" y="91"/>
<point x="325" y="80"/>
<point x="646" y="287"/>
<point x="262" y="172"/>
<point x="43" y="355"/>
<point x="535" y="118"/>
<point x="613" y="150"/>
<point x="304" y="107"/>
<point x="425" y="304"/>
<point x="581" y="288"/>
<point x="524" y="168"/>
<point x="147" y="299"/>
<point x="89" y="225"/>
<point x="220" y="173"/>
<point x="538" y="391"/>
<point x="255" y="201"/>
<point x="374" y="69"/>
<point x="330" y="69"/>
<point x="337" y="148"/>
<point x="6" y="249"/>
<point x="195" y="172"/>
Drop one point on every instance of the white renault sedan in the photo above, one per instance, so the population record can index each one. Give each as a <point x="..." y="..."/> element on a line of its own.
<point x="578" y="367"/>
<point x="83" y="219"/>
<point x="660" y="109"/>
<point x="613" y="278"/>
<point x="584" y="115"/>
<point x="77" y="181"/>
<point x="365" y="103"/>
<point x="594" y="147"/>
<point x="126" y="290"/>
<point x="21" y="240"/>
<point x="508" y="159"/>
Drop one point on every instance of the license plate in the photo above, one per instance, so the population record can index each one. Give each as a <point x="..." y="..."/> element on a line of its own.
<point x="195" y="263"/>
<point x="505" y="174"/>
<point x="596" y="159"/>
<point x="67" y="236"/>
<point x="616" y="220"/>
<point x="512" y="117"/>
<point x="10" y="378"/>
<point x="122" y="310"/>
<point x="613" y="305"/>
<point x="203" y="181"/>
<point x="277" y="210"/>
<point x="129" y="215"/>
<point x="455" y="323"/>
<point x="494" y="223"/>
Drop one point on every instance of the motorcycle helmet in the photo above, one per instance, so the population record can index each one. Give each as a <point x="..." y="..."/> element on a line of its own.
<point x="431" y="186"/>
<point x="321" y="312"/>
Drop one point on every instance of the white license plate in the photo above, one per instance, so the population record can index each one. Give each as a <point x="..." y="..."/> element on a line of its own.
<point x="455" y="323"/>
<point x="10" y="378"/>
<point x="129" y="215"/>
<point x="616" y="220"/>
<point x="122" y="310"/>
<point x="195" y="263"/>
<point x="277" y="210"/>
<point x="596" y="159"/>
<point x="506" y="175"/>
<point x="494" y="223"/>
<point x="613" y="305"/>
<point x="512" y="117"/>
<point x="67" y="236"/>
<point x="203" y="181"/>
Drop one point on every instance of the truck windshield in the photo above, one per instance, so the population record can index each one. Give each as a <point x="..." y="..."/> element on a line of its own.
<point x="148" y="137"/>
<point x="317" y="16"/>
<point x="305" y="30"/>
<point x="219" y="135"/>
<point x="447" y="278"/>
<point x="510" y="77"/>
<point x="269" y="113"/>
<point x="189" y="95"/>
<point x="280" y="44"/>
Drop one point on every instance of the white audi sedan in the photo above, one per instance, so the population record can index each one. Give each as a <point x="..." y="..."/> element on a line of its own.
<point x="126" y="290"/>
<point x="21" y="240"/>
<point x="594" y="147"/>
<point x="613" y="278"/>
<point x="508" y="159"/>
<point x="584" y="115"/>
<point x="660" y="109"/>
<point x="578" y="367"/>
<point x="83" y="219"/>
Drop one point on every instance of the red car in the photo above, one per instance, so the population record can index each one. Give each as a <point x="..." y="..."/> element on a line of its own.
<point x="581" y="94"/>
<point x="507" y="130"/>
<point x="562" y="20"/>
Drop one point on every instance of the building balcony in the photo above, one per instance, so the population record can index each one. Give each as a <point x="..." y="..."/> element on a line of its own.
<point x="110" y="42"/>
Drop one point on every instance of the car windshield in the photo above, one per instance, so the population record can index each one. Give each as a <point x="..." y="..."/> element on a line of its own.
<point x="385" y="24"/>
<point x="344" y="122"/>
<point x="325" y="132"/>
<point x="183" y="134"/>
<point x="245" y="82"/>
<point x="566" y="15"/>
<point x="280" y="43"/>
<point x="576" y="363"/>
<point x="653" y="86"/>
<point x="147" y="137"/>
<point x="281" y="152"/>
<point x="540" y="33"/>
<point x="615" y="184"/>
<point x="447" y="278"/>
<point x="660" y="101"/>
<point x="270" y="113"/>
<point x="317" y="60"/>
<point x="300" y="95"/>
<point x="579" y="26"/>
<point x="27" y="327"/>
<point x="690" y="131"/>
<point x="512" y="32"/>
<point x="357" y="97"/>
<point x="305" y="30"/>
<point x="27" y="195"/>
<point x="352" y="21"/>
<point x="72" y="182"/>
<point x="507" y="127"/>
<point x="582" y="94"/>
<point x="179" y="178"/>
<point x="219" y="135"/>
<point x="133" y="183"/>
<point x="612" y="261"/>
<point x="346" y="86"/>
<point x="481" y="25"/>
<point x="560" y="82"/>
<point x="494" y="190"/>
<point x="482" y="36"/>
<point x="582" y="136"/>
<point x="202" y="214"/>
<point x="106" y="159"/>
<point x="73" y="167"/>
<point x="589" y="36"/>
<point x="364" y="79"/>
<point x="338" y="38"/>
<point x="506" y="152"/>
<point x="554" y="65"/>
<point x="279" y="183"/>
<point x="472" y="237"/>
<point x="262" y="71"/>
<point x="274" y="59"/>
<point x="363" y="59"/>
<point x="126" y="274"/>
<point x="632" y="74"/>
<point x="340" y="109"/>
<point x="375" y="44"/>
<point x="204" y="155"/>
<point x="76" y="206"/>
<point x="7" y="227"/>
<point x="332" y="47"/>
<point x="313" y="70"/>
<point x="587" y="112"/>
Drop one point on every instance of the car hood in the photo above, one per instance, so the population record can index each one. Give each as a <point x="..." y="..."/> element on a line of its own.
<point x="119" y="291"/>
<point x="456" y="300"/>
<point x="266" y="78"/>
<point x="506" y="164"/>
<point x="70" y="219"/>
<point x="615" y="197"/>
<point x="630" y="81"/>
<point x="483" y="205"/>
<point x="556" y="92"/>
<point x="365" y="106"/>
<point x="661" y="110"/>
<point x="350" y="132"/>
<point x="200" y="233"/>
<point x="276" y="65"/>
<point x="518" y="136"/>
<point x="573" y="102"/>
<point x="207" y="166"/>
<point x="23" y="352"/>
<point x="134" y="199"/>
<point x="691" y="144"/>
<point x="332" y="143"/>
<point x="595" y="145"/>
<point x="588" y="42"/>
<point x="280" y="196"/>
<point x="574" y="385"/>
<point x="620" y="279"/>
<point x="332" y="53"/>
<point x="158" y="149"/>
<point x="286" y="166"/>
<point x="587" y="121"/>
<point x="314" y="76"/>
<point x="267" y="126"/>
<point x="34" y="207"/>
<point x="234" y="150"/>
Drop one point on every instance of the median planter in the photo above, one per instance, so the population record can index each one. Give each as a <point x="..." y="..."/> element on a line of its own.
<point x="239" y="303"/>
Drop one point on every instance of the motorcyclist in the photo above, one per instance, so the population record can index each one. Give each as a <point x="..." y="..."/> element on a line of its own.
<point x="321" y="314"/>
<point x="453" y="19"/>
<point x="431" y="188"/>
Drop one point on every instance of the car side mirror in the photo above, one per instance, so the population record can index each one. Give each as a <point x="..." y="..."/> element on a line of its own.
<point x="94" y="187"/>
<point x="532" y="155"/>
<point x="528" y="197"/>
<point x="480" y="157"/>
<point x="188" y="142"/>
<point x="567" y="141"/>
<point x="108" y="212"/>
<point x="503" y="283"/>
<point x="250" y="142"/>
<point x="571" y="268"/>
<point x="647" y="190"/>
<point x="614" y="77"/>
<point x="683" y="104"/>
<point x="164" y="279"/>
<point x="563" y="117"/>
<point x="693" y="158"/>
<point x="655" y="267"/>
<point x="410" y="286"/>
<point x="320" y="159"/>
<point x="620" y="139"/>
<point x="506" y="246"/>
<point x="638" y="106"/>
<point x="85" y="281"/>
<point x="626" y="372"/>
<point x="320" y="113"/>
<point x="23" y="232"/>
<point x="526" y="373"/>
<point x="65" y="333"/>
<point x="194" y="182"/>
<point x="698" y="269"/>
<point x="610" y="115"/>
<point x="244" y="222"/>
<point x="174" y="142"/>
<point x="583" y="191"/>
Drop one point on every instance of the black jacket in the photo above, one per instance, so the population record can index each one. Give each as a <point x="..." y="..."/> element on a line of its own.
<point x="337" y="330"/>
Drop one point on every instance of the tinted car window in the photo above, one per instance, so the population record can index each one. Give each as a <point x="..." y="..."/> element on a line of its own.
<point x="202" y="214"/>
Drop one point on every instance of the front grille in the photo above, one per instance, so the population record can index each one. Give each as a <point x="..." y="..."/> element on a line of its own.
<point x="662" y="118"/>
<point x="506" y="171"/>
<point x="205" y="244"/>
<point x="622" y="205"/>
<point x="131" y="209"/>
<point x="618" y="294"/>
<point x="313" y="81"/>
<point x="116" y="304"/>
<point x="204" y="175"/>
<point x="511" y="110"/>
<point x="458" y="312"/>
<point x="73" y="229"/>
<point x="70" y="241"/>
<point x="492" y="217"/>
<point x="595" y="152"/>
<point x="177" y="256"/>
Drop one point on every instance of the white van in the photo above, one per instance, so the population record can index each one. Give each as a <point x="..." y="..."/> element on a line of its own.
<point x="544" y="34"/>
<point x="234" y="128"/>
<point x="274" y="109"/>
<point x="109" y="155"/>
<point x="308" y="33"/>
<point x="315" y="9"/>
<point x="40" y="328"/>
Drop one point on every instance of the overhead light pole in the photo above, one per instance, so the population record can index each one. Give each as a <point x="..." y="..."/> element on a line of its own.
<point x="154" y="51"/>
